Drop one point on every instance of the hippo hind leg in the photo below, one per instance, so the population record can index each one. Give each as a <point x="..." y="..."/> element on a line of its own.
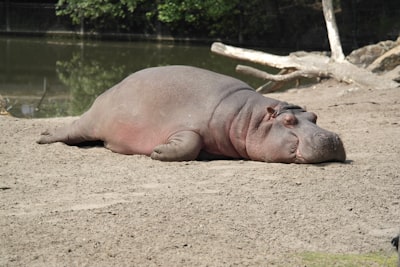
<point x="181" y="146"/>
<point x="72" y="134"/>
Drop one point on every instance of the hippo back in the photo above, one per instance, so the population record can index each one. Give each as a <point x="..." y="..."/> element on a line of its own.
<point x="156" y="102"/>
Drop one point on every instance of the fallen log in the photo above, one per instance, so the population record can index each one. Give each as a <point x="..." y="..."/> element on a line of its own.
<point x="309" y="65"/>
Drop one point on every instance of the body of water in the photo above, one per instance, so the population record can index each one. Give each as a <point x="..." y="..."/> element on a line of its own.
<point x="42" y="77"/>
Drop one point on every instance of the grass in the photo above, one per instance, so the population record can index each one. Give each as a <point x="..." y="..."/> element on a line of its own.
<point x="317" y="259"/>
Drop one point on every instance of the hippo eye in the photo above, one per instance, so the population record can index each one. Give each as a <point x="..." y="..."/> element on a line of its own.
<point x="289" y="120"/>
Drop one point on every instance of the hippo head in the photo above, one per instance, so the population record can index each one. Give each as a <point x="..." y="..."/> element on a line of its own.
<point x="292" y="136"/>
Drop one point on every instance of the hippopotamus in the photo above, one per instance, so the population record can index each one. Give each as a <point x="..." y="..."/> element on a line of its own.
<point x="182" y="113"/>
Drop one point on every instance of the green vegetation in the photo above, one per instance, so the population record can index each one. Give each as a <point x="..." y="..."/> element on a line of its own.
<point x="193" y="11"/>
<point x="87" y="80"/>
<point x="196" y="16"/>
<point x="95" y="9"/>
<point x="316" y="259"/>
<point x="271" y="22"/>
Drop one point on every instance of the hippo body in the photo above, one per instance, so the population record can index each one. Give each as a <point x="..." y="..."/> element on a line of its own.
<point x="177" y="113"/>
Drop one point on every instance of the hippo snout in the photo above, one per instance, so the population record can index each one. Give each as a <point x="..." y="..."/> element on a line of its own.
<point x="327" y="146"/>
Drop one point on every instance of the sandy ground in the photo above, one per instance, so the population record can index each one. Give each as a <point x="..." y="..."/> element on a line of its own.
<point x="68" y="206"/>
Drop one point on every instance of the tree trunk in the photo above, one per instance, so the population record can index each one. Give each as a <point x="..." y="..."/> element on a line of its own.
<point x="333" y="32"/>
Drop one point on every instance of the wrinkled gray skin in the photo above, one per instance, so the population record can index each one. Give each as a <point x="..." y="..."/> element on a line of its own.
<point x="179" y="113"/>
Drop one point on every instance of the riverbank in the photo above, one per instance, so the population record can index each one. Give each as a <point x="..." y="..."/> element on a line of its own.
<point x="64" y="205"/>
<point x="131" y="37"/>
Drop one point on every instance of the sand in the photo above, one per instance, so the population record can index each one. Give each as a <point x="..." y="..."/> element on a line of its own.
<point x="69" y="206"/>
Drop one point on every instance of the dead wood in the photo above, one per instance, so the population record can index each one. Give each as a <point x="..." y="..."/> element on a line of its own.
<point x="313" y="65"/>
<point x="285" y="75"/>
<point x="278" y="77"/>
<point x="310" y="65"/>
<point x="272" y="86"/>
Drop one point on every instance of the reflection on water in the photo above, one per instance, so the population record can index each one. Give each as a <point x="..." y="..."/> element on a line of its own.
<point x="54" y="77"/>
<point x="86" y="80"/>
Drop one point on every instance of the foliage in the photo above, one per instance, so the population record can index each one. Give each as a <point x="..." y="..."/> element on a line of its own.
<point x="312" y="259"/>
<point x="197" y="17"/>
<point x="192" y="11"/>
<point x="86" y="80"/>
<point x="95" y="9"/>
<point x="271" y="22"/>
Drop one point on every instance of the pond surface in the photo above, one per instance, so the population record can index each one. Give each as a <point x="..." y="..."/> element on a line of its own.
<point x="42" y="77"/>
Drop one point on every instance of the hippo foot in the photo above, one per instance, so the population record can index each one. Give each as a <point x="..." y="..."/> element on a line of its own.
<point x="45" y="138"/>
<point x="181" y="146"/>
<point x="58" y="135"/>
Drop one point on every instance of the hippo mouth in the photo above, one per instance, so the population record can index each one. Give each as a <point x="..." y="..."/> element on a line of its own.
<point x="298" y="156"/>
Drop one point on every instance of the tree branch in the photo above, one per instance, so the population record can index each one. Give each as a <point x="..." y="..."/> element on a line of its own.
<point x="279" y="78"/>
<point x="272" y="86"/>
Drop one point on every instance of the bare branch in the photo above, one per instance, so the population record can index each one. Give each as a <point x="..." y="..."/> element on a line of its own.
<point x="272" y="86"/>
<point x="284" y="76"/>
<point x="279" y="78"/>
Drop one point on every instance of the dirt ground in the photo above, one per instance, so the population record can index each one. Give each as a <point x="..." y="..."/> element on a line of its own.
<point x="69" y="206"/>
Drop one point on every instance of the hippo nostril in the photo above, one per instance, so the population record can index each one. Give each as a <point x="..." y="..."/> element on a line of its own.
<point x="323" y="140"/>
<point x="326" y="142"/>
<point x="328" y="146"/>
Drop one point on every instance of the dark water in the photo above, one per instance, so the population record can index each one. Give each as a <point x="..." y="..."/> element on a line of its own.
<point x="54" y="77"/>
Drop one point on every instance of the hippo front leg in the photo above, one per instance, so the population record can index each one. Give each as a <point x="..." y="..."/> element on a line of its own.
<point x="181" y="146"/>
